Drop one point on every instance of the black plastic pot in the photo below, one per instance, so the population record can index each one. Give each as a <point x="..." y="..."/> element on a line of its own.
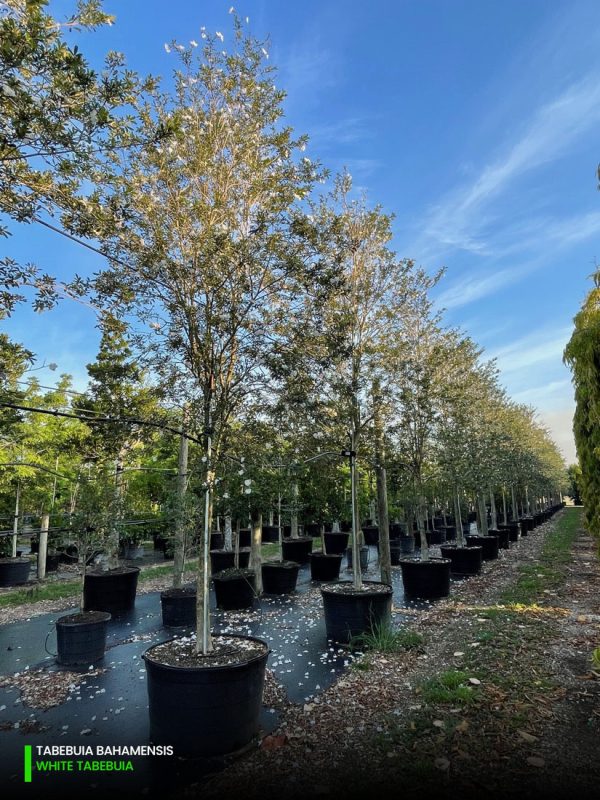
<point x="221" y="559"/>
<point x="325" y="566"/>
<point x="349" y="614"/>
<point x="398" y="529"/>
<point x="371" y="534"/>
<point x="245" y="537"/>
<point x="488" y="544"/>
<point x="450" y="531"/>
<point x="112" y="591"/>
<point x="69" y="555"/>
<point x="503" y="538"/>
<point x="524" y="527"/>
<point x="14" y="571"/>
<point x="279" y="577"/>
<point x="312" y="529"/>
<point x="178" y="607"/>
<point x="364" y="557"/>
<point x="81" y="638"/>
<point x="437" y="536"/>
<point x="426" y="580"/>
<point x="297" y="550"/>
<point x="407" y="544"/>
<point x="465" y="560"/>
<point x="217" y="540"/>
<point x="270" y="533"/>
<point x="205" y="711"/>
<point x="395" y="552"/>
<point x="345" y="526"/>
<point x="514" y="531"/>
<point x="336" y="543"/>
<point x="234" y="589"/>
<point x="52" y="562"/>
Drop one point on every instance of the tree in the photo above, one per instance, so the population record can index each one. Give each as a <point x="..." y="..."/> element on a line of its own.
<point x="574" y="474"/>
<point x="582" y="354"/>
<point x="209" y="231"/>
<point x="60" y="119"/>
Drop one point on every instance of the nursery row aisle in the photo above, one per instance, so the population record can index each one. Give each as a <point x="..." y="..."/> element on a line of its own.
<point x="493" y="690"/>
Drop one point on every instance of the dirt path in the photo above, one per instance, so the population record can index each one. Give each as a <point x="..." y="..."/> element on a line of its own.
<point x="496" y="699"/>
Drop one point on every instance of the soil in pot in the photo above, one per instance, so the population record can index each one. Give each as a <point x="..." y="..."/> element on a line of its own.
<point x="234" y="589"/>
<point x="297" y="550"/>
<point x="178" y="607"/>
<point x="426" y="580"/>
<point x="336" y="542"/>
<point x="465" y="560"/>
<point x="350" y="612"/>
<point x="325" y="566"/>
<point x="280" y="577"/>
<point x="81" y="637"/>
<point x="14" y="571"/>
<point x="489" y="545"/>
<point x="210" y="705"/>
<point x="113" y="590"/>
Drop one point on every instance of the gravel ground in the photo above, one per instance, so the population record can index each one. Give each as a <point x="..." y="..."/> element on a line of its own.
<point x="535" y="729"/>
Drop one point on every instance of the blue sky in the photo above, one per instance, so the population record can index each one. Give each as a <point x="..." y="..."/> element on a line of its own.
<point x="473" y="121"/>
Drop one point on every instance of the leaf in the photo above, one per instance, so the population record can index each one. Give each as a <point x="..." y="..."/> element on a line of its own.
<point x="536" y="761"/>
<point x="274" y="742"/>
<point x="462" y="726"/>
<point x="528" y="737"/>
<point x="474" y="681"/>
<point x="438" y="723"/>
<point x="442" y="764"/>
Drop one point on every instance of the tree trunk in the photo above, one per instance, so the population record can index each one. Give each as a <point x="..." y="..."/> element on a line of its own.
<point x="15" y="533"/>
<point x="43" y="548"/>
<point x="504" y="512"/>
<point x="255" y="554"/>
<point x="385" y="561"/>
<point x="482" y="514"/>
<point x="228" y="531"/>
<point x="460" y="539"/>
<point x="203" y="634"/>
<point x="294" y="512"/>
<point x="514" y="509"/>
<point x="421" y="513"/>
<point x="493" y="509"/>
<point x="180" y="527"/>
<point x="356" y="570"/>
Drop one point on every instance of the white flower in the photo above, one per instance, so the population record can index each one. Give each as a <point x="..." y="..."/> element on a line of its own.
<point x="231" y="10"/>
<point x="155" y="326"/>
<point x="203" y="35"/>
<point x="194" y="43"/>
<point x="247" y="20"/>
<point x="180" y="47"/>
<point x="303" y="147"/>
<point x="264" y="52"/>
<point x="220" y="36"/>
<point x="167" y="48"/>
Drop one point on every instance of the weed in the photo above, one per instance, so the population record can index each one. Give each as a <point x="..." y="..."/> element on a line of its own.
<point x="385" y="639"/>
<point x="448" y="687"/>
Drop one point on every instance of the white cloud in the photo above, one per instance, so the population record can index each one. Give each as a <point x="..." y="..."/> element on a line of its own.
<point x="536" y="348"/>
<point x="560" y="425"/>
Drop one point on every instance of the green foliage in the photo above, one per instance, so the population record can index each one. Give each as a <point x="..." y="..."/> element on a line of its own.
<point x="449" y="687"/>
<point x="582" y="354"/>
<point x="575" y="479"/>
<point x="385" y="639"/>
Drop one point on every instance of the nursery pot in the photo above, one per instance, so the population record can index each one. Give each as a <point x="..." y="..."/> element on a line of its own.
<point x="312" y="529"/>
<point x="14" y="571"/>
<point x="398" y="529"/>
<point x="217" y="540"/>
<point x="371" y="534"/>
<point x="503" y="538"/>
<point x="465" y="560"/>
<point x="52" y="562"/>
<point x="297" y="550"/>
<point x="364" y="557"/>
<point x="178" y="607"/>
<point x="81" y="637"/>
<point x="270" y="533"/>
<point x="336" y="542"/>
<point x="437" y="536"/>
<point x="514" y="531"/>
<point x="407" y="544"/>
<point x="279" y="577"/>
<point x="524" y="527"/>
<point x="450" y="531"/>
<point x="112" y="591"/>
<point x="325" y="566"/>
<point x="245" y="537"/>
<point x="426" y="580"/>
<point x="221" y="559"/>
<point x="395" y="552"/>
<point x="234" y="589"/>
<point x="350" y="613"/>
<point x="206" y="710"/>
<point x="489" y="546"/>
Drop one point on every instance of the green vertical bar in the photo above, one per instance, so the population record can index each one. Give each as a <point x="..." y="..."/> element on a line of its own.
<point x="27" y="778"/>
